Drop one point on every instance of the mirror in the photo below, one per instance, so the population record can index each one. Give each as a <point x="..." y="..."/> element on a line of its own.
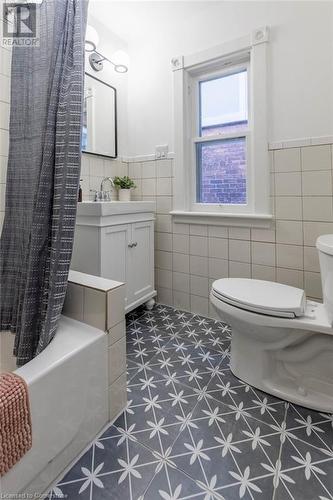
<point x="99" y="127"/>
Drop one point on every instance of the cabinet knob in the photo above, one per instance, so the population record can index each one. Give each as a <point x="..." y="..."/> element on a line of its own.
<point x="135" y="244"/>
<point x="131" y="245"/>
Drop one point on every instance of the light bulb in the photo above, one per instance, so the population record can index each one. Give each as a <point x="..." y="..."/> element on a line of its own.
<point x="121" y="68"/>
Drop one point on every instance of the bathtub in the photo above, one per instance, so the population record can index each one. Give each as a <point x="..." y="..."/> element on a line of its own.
<point x="68" y="385"/>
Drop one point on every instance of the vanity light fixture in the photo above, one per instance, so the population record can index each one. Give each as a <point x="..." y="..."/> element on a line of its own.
<point x="96" y="59"/>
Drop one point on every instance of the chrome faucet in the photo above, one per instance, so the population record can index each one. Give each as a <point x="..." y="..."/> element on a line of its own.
<point x="104" y="194"/>
<point x="111" y="184"/>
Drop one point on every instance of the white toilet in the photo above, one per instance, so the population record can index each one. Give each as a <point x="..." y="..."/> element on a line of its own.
<point x="282" y="343"/>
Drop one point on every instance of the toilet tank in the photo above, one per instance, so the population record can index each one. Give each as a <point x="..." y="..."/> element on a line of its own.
<point x="324" y="245"/>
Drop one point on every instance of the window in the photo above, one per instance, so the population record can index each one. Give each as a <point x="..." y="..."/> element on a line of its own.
<point x="221" y="148"/>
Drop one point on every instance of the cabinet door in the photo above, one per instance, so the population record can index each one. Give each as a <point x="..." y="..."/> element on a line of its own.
<point x="115" y="253"/>
<point x="141" y="278"/>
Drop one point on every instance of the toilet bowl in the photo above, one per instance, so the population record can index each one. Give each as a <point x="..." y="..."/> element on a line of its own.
<point x="282" y="343"/>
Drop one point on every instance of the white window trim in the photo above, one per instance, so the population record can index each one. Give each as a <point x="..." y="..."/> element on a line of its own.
<point x="258" y="213"/>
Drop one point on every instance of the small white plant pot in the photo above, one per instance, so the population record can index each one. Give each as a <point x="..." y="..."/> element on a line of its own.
<point x="124" y="195"/>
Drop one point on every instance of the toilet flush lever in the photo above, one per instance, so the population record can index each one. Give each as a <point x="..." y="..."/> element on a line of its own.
<point x="310" y="311"/>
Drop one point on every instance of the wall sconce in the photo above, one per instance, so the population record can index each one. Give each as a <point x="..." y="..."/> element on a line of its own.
<point x="96" y="59"/>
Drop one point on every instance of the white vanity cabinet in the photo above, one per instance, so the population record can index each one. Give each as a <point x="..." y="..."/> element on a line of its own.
<point x="115" y="240"/>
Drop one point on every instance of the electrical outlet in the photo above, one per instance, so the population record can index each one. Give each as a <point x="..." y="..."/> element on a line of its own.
<point x="161" y="152"/>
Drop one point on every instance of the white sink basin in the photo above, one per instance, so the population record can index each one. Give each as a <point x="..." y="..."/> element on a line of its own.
<point x="105" y="208"/>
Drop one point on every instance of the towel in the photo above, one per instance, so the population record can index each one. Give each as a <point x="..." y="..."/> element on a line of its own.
<point x="15" y="421"/>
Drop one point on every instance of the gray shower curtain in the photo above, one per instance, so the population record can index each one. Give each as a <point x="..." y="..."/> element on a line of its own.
<point x="42" y="176"/>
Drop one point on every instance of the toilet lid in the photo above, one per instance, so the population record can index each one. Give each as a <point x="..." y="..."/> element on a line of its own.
<point x="263" y="297"/>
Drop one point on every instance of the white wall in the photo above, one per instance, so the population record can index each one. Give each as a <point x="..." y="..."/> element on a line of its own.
<point x="300" y="72"/>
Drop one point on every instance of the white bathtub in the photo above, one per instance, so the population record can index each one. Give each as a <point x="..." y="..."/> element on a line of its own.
<point x="68" y="399"/>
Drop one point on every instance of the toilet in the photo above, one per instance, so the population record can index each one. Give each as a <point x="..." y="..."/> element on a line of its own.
<point x="282" y="343"/>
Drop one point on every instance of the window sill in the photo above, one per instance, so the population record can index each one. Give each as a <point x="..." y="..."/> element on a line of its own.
<point x="217" y="219"/>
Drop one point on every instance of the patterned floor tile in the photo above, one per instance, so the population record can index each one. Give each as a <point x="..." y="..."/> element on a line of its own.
<point x="146" y="387"/>
<point x="122" y="468"/>
<point x="158" y="432"/>
<point x="135" y="315"/>
<point x="165" y="318"/>
<point x="295" y="449"/>
<point x="309" y="422"/>
<point x="144" y="350"/>
<point x="117" y="468"/>
<point x="192" y="429"/>
<point x="190" y="365"/>
<point x="145" y="330"/>
<point x="79" y="489"/>
<point x="310" y="481"/>
<point x="241" y="397"/>
<point x="212" y="435"/>
<point x="132" y="369"/>
<point x="172" y="484"/>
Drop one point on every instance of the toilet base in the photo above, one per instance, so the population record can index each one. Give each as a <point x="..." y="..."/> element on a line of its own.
<point x="287" y="390"/>
<point x="286" y="371"/>
<point x="290" y="363"/>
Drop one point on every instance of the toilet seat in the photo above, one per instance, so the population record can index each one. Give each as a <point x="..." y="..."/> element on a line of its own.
<point x="262" y="297"/>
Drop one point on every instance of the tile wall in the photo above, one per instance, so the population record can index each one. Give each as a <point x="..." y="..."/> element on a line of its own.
<point x="190" y="257"/>
<point x="5" y="60"/>
<point x="101" y="304"/>
<point x="94" y="169"/>
<point x="7" y="360"/>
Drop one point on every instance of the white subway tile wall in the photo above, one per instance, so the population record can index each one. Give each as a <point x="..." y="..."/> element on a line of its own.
<point x="190" y="257"/>
<point x="103" y="308"/>
<point x="94" y="168"/>
<point x="5" y="61"/>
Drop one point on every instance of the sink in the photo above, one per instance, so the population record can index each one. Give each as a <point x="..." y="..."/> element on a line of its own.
<point x="105" y="208"/>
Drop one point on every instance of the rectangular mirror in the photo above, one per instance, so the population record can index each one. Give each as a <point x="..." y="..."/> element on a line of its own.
<point x="99" y="127"/>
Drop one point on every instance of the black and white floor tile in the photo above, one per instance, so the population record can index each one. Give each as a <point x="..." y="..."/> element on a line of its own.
<point x="192" y="430"/>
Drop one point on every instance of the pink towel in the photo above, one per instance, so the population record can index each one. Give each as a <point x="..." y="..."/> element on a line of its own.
<point x="15" y="421"/>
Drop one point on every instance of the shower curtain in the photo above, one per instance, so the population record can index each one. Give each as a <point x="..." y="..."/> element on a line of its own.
<point x="42" y="176"/>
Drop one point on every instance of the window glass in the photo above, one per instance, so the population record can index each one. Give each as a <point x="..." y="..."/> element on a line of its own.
<point x="223" y="104"/>
<point x="221" y="171"/>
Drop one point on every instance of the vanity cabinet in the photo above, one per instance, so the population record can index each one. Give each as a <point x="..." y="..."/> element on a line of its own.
<point x="118" y="246"/>
<point x="127" y="253"/>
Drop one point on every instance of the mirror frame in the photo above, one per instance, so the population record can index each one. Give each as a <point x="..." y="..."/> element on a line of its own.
<point x="115" y="119"/>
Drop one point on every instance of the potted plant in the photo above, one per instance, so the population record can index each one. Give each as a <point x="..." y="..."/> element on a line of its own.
<point x="124" y="186"/>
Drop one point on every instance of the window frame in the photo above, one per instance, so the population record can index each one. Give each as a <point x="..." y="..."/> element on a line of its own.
<point x="249" y="52"/>
<point x="194" y="119"/>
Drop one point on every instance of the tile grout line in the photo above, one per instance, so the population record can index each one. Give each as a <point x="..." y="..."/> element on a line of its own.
<point x="279" y="457"/>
